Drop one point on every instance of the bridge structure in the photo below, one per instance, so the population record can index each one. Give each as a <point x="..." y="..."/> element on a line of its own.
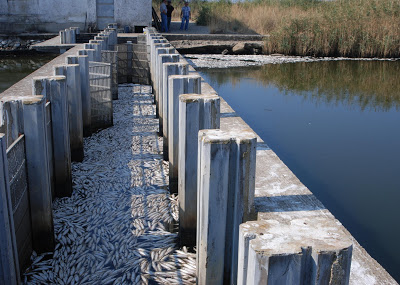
<point x="120" y="165"/>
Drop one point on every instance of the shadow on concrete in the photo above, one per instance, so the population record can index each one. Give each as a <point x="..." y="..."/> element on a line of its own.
<point x="288" y="203"/>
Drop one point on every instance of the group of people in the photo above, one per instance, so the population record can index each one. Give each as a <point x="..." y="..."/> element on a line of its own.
<point x="166" y="10"/>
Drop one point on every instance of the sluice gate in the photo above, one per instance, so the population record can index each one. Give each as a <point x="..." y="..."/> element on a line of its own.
<point x="122" y="166"/>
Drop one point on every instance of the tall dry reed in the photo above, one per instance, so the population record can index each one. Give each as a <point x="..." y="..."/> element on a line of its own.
<point x="357" y="28"/>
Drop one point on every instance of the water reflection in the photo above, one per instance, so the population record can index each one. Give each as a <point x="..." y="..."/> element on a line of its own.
<point x="336" y="126"/>
<point x="15" y="67"/>
<point x="368" y="85"/>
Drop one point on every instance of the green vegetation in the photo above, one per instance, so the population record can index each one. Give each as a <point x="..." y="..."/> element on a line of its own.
<point x="354" y="28"/>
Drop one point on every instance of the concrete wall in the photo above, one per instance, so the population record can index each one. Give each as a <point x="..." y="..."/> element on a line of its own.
<point x="53" y="15"/>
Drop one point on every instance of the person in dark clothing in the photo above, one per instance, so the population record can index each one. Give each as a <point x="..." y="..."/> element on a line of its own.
<point x="170" y="8"/>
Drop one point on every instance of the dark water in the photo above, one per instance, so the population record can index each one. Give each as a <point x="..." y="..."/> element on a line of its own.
<point x="336" y="125"/>
<point x="14" y="67"/>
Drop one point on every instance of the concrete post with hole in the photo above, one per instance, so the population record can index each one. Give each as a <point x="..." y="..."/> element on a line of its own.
<point x="9" y="267"/>
<point x="34" y="117"/>
<point x="180" y="68"/>
<point x="83" y="61"/>
<point x="178" y="84"/>
<point x="196" y="112"/>
<point x="284" y="249"/>
<point x="72" y="74"/>
<point x="226" y="181"/>
<point x="54" y="89"/>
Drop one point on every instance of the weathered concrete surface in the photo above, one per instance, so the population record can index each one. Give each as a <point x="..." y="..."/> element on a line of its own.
<point x="54" y="15"/>
<point x="289" y="250"/>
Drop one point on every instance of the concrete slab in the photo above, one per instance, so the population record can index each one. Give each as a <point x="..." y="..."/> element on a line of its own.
<point x="53" y="45"/>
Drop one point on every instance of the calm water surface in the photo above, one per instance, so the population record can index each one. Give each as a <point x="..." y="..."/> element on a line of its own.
<point x="14" y="67"/>
<point x="336" y="125"/>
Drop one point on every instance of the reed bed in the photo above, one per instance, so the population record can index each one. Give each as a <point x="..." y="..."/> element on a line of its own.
<point x="353" y="28"/>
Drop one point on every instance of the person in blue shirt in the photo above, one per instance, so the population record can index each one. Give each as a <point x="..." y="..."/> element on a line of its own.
<point x="163" y="12"/>
<point x="185" y="14"/>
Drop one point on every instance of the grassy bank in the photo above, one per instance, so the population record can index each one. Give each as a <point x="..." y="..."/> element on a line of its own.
<point x="355" y="28"/>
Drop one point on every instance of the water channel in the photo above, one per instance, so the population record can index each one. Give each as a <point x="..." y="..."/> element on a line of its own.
<point x="14" y="67"/>
<point x="335" y="124"/>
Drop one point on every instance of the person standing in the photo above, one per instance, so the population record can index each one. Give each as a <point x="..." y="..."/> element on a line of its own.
<point x="185" y="14"/>
<point x="163" y="12"/>
<point x="170" y="8"/>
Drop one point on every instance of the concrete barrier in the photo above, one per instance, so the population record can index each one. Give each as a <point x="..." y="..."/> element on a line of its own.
<point x="286" y="250"/>
<point x="34" y="117"/>
<point x="196" y="112"/>
<point x="226" y="173"/>
<point x="72" y="74"/>
<point x="169" y="69"/>
<point x="178" y="84"/>
<point x="54" y="89"/>
<point x="83" y="61"/>
<point x="9" y="268"/>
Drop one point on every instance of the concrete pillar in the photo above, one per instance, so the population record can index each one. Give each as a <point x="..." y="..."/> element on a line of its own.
<point x="178" y="84"/>
<point x="290" y="250"/>
<point x="83" y="61"/>
<point x="34" y="114"/>
<point x="77" y="30"/>
<point x="155" y="44"/>
<point x="9" y="266"/>
<point x="54" y="88"/>
<point x="39" y="88"/>
<point x="103" y="40"/>
<point x="72" y="73"/>
<point x="73" y="35"/>
<point x="129" y="59"/>
<point x="62" y="37"/>
<point x="97" y="49"/>
<point x="169" y="69"/>
<point x="226" y="182"/>
<point x="91" y="53"/>
<point x="113" y="40"/>
<point x="196" y="112"/>
<point x="163" y="58"/>
<point x="67" y="36"/>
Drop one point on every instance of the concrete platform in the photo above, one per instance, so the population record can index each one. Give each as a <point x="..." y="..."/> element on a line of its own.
<point x="53" y="45"/>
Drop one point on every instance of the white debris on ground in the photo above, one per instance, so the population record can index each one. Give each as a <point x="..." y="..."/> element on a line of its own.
<point x="228" y="61"/>
<point x="113" y="228"/>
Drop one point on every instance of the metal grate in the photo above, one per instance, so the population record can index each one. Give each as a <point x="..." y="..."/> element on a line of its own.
<point x="111" y="58"/>
<point x="20" y="199"/>
<point x="133" y="66"/>
<point x="100" y="94"/>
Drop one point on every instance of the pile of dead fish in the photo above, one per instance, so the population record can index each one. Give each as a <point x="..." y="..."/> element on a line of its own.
<point x="114" y="228"/>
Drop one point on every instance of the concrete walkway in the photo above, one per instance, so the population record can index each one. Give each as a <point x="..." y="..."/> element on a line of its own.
<point x="193" y="28"/>
<point x="113" y="230"/>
